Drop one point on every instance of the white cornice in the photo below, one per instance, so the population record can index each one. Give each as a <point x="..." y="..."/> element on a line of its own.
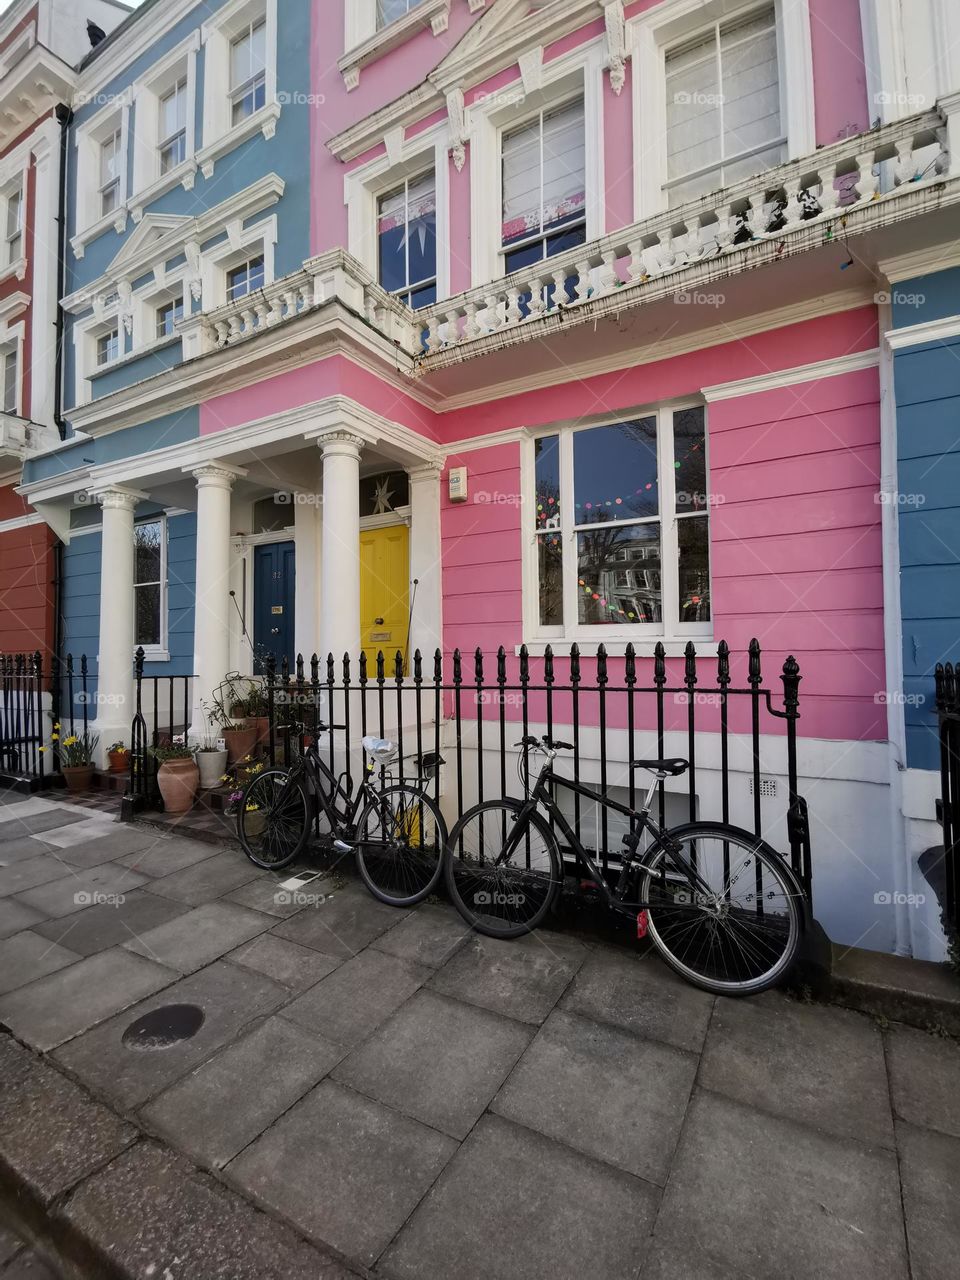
<point x="921" y="262"/>
<point x="31" y="89"/>
<point x="913" y="335"/>
<point x="789" y="377"/>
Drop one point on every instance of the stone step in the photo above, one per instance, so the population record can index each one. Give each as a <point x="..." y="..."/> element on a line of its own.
<point x="917" y="992"/>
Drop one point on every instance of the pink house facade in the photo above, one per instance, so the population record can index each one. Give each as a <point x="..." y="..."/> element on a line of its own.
<point x="600" y="291"/>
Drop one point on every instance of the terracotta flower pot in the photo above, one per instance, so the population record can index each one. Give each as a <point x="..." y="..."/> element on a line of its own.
<point x="119" y="761"/>
<point x="261" y="727"/>
<point x="178" y="781"/>
<point x="239" y="742"/>
<point x="78" y="777"/>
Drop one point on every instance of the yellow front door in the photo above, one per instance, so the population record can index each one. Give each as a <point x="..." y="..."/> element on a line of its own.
<point x="384" y="594"/>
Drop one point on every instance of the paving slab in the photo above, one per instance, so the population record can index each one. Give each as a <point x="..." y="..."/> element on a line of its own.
<point x="430" y="935"/>
<point x="769" y="1197"/>
<point x="811" y="1063"/>
<point x="153" y="1214"/>
<point x="15" y="916"/>
<point x="226" y="1103"/>
<point x="51" y="1133"/>
<point x="204" y="934"/>
<point x="522" y="978"/>
<point x="264" y="894"/>
<point x="603" y="1092"/>
<point x="36" y="823"/>
<point x="353" y="1001"/>
<point x="343" y="1169"/>
<point x="640" y="994"/>
<point x="28" y="1266"/>
<point x="123" y="839"/>
<point x="924" y="1079"/>
<point x="95" y="826"/>
<point x="230" y="998"/>
<point x="28" y="956"/>
<point x="438" y="1060"/>
<point x="295" y="966"/>
<point x="17" y="805"/>
<point x="681" y="1260"/>
<point x="512" y="1203"/>
<point x="22" y="849"/>
<point x="208" y="879"/>
<point x="930" y="1172"/>
<point x="109" y="924"/>
<point x="346" y="922"/>
<point x="164" y="855"/>
<point x="31" y="872"/>
<point x="95" y="887"/>
<point x="51" y="1010"/>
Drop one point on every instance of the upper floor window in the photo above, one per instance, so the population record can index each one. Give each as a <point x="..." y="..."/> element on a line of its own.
<point x="544" y="187"/>
<point x="108" y="347"/>
<point x="11" y="380"/>
<point x="390" y="10"/>
<point x="14" y="226"/>
<point x="173" y="127"/>
<point x="245" y="278"/>
<point x="110" y="172"/>
<point x="407" y="241"/>
<point x="724" y="116"/>
<point x="167" y="316"/>
<point x="248" y="74"/>
<point x="620" y="527"/>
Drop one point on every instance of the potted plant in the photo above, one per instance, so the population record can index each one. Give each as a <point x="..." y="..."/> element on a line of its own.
<point x="229" y="710"/>
<point x="256" y="714"/>
<point x="76" y="760"/>
<point x="178" y="776"/>
<point x="211" y="757"/>
<point x="119" y="757"/>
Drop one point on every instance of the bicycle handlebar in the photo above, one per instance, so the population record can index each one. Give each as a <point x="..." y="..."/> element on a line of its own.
<point x="550" y="744"/>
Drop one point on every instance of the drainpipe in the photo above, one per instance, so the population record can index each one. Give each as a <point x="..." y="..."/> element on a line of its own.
<point x="64" y="117"/>
<point x="893" y="637"/>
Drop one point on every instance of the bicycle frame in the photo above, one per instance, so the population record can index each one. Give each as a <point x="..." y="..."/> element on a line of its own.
<point x="542" y="795"/>
<point x="328" y="792"/>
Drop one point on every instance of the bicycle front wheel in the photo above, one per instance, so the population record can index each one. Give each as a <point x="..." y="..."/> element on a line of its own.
<point x="400" y="841"/>
<point x="734" y="926"/>
<point x="274" y="819"/>
<point x="503" y="872"/>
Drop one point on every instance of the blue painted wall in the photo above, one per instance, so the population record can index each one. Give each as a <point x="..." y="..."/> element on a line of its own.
<point x="927" y="383"/>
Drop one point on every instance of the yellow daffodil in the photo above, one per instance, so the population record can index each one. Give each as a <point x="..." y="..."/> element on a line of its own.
<point x="55" y="737"/>
<point x="70" y="742"/>
<point x="252" y="808"/>
<point x="57" y="725"/>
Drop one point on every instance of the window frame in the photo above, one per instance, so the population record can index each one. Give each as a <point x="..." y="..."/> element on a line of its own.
<point x="665" y="26"/>
<point x="115" y="138"/>
<point x="113" y="331"/>
<point x="572" y="630"/>
<point x="165" y="142"/>
<point x="11" y="349"/>
<point x="410" y="287"/>
<point x="90" y="219"/>
<point x="221" y="133"/>
<point x="238" y="93"/>
<point x="150" y="180"/>
<point x="168" y="304"/>
<point x="16" y="191"/>
<point x="245" y="265"/>
<point x="154" y="652"/>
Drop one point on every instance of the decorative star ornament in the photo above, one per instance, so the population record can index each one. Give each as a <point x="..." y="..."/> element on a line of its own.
<point x="381" y="500"/>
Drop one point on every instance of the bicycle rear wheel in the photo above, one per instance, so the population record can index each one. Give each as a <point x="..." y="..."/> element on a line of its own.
<point x="274" y="819"/>
<point x="736" y="929"/>
<point x="400" y="841"/>
<point x="503" y="877"/>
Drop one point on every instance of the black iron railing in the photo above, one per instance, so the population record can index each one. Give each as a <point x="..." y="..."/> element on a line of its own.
<point x="947" y="683"/>
<point x="162" y="708"/>
<point x="41" y="705"/>
<point x="718" y="713"/>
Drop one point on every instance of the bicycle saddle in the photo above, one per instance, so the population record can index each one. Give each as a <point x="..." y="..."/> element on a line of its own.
<point x="382" y="750"/>
<point x="673" y="766"/>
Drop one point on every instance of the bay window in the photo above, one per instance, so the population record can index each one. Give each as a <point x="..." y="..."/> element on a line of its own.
<point x="149" y="582"/>
<point x="620" y="528"/>
<point x="724" y="116"/>
<point x="544" y="186"/>
<point x="407" y="241"/>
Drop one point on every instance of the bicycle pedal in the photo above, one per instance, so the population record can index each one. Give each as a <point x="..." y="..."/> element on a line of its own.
<point x="342" y="847"/>
<point x="589" y="886"/>
<point x="641" y="925"/>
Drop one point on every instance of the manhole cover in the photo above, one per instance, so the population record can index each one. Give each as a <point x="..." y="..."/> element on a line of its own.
<point x="164" y="1027"/>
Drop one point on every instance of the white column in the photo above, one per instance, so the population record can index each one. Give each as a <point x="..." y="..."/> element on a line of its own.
<point x="211" y="635"/>
<point x="425" y="562"/>
<point x="340" y="552"/>
<point x="115" y="706"/>
<point x="308" y="539"/>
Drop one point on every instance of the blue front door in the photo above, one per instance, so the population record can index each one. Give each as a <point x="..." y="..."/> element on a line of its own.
<point x="274" y="595"/>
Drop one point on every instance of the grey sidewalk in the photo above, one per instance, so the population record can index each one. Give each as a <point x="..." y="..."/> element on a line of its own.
<point x="421" y="1102"/>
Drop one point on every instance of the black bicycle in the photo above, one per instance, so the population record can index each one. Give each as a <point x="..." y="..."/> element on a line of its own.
<point x="394" y="828"/>
<point x="722" y="907"/>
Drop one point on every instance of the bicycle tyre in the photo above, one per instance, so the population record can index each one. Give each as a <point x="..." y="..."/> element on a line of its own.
<point x="465" y="881"/>
<point x="280" y="816"/>
<point x="726" y="948"/>
<point x="420" y="874"/>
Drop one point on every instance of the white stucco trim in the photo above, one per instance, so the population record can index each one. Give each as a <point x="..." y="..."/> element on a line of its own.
<point x="789" y="377"/>
<point x="220" y="135"/>
<point x="913" y="335"/>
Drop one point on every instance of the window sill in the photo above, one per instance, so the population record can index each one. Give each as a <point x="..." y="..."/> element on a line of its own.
<point x="17" y="268"/>
<point x="154" y="655"/>
<point x="616" y="648"/>
<point x="434" y="12"/>
<point x="116" y="221"/>
<point x="183" y="175"/>
<point x="263" y="121"/>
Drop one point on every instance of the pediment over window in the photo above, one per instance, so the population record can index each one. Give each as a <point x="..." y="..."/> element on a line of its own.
<point x="154" y="227"/>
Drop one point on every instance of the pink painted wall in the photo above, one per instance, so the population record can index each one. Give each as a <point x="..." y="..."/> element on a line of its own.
<point x="618" y="153"/>
<point x="841" y="107"/>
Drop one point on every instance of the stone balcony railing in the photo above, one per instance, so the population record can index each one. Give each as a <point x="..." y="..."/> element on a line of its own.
<point x="863" y="180"/>
<point x="781" y="211"/>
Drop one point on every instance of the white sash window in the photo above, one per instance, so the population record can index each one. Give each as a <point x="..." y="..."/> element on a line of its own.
<point x="544" y="186"/>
